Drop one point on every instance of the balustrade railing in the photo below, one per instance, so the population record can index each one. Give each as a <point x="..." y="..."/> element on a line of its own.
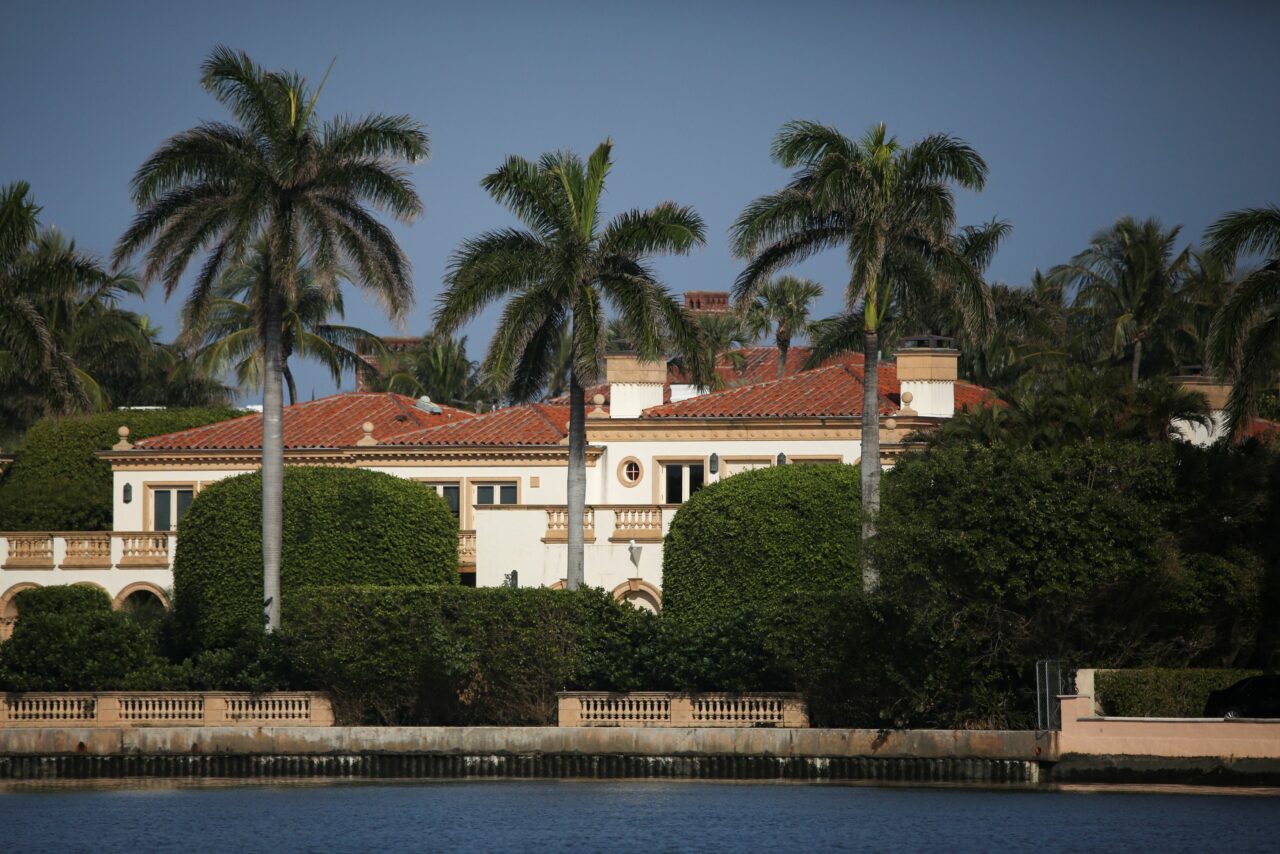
<point x="659" y="709"/>
<point x="128" y="709"/>
<point x="151" y="549"/>
<point x="467" y="548"/>
<point x="642" y="524"/>
<point x="29" y="551"/>
<point x="88" y="551"/>
<point x="558" y="525"/>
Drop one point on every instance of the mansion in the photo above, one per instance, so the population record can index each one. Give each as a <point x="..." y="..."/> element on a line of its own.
<point x="652" y="440"/>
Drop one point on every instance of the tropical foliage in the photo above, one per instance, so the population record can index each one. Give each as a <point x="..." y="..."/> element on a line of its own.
<point x="558" y="275"/>
<point x="890" y="207"/>
<point x="277" y="178"/>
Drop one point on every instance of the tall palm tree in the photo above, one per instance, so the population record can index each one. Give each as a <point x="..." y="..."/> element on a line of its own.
<point x="276" y="174"/>
<point x="781" y="308"/>
<point x="231" y="333"/>
<point x="1244" y="342"/>
<point x="1127" y="277"/>
<point x="890" y="207"/>
<point x="559" y="272"/>
<point x="65" y="344"/>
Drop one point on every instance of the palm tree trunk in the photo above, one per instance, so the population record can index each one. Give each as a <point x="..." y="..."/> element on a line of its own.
<point x="272" y="461"/>
<point x="288" y="381"/>
<point x="870" y="466"/>
<point x="1137" y="362"/>
<point x="577" y="491"/>
<point x="784" y="344"/>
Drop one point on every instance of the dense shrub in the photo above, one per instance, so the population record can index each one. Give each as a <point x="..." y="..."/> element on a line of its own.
<point x="341" y="526"/>
<point x="991" y="558"/>
<point x="1161" y="692"/>
<point x="57" y="484"/>
<point x="456" y="655"/>
<point x="741" y="545"/>
<point x="68" y="639"/>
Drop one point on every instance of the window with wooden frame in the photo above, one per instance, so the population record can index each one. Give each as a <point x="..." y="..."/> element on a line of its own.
<point x="680" y="479"/>
<point x="496" y="492"/>
<point x="450" y="491"/>
<point x="167" y="503"/>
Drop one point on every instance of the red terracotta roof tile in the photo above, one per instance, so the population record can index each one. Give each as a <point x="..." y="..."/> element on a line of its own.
<point x="330" y="422"/>
<point x="533" y="424"/>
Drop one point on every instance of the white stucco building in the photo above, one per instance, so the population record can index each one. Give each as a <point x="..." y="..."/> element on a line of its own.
<point x="652" y="442"/>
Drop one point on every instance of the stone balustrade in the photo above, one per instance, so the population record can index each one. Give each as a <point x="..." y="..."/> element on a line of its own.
<point x="662" y="709"/>
<point x="86" y="550"/>
<point x="558" y="525"/>
<point x="642" y="524"/>
<point x="129" y="708"/>
<point x="467" y="548"/>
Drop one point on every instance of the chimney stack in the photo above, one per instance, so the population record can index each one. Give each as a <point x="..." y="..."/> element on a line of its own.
<point x="706" y="302"/>
<point x="927" y="370"/>
<point x="634" y="385"/>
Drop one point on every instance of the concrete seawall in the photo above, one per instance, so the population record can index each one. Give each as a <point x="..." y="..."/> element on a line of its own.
<point x="914" y="756"/>
<point x="457" y="752"/>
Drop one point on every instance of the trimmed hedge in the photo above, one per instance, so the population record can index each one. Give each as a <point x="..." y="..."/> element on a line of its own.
<point x="1160" y="692"/>
<point x="67" y="638"/>
<point x="458" y="655"/>
<point x="57" y="484"/>
<point x="743" y="544"/>
<point x="341" y="526"/>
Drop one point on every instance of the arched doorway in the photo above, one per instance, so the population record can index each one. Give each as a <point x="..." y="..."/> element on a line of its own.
<point x="9" y="608"/>
<point x="642" y="594"/>
<point x="143" y="601"/>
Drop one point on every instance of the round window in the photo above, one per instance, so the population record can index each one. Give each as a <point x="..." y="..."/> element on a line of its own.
<point x="631" y="471"/>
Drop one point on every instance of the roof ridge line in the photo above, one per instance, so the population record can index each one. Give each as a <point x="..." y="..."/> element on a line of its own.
<point x="537" y="407"/>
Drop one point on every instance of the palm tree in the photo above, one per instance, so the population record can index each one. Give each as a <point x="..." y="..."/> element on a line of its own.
<point x="277" y="174"/>
<point x="65" y="344"/>
<point x="231" y="333"/>
<point x="438" y="366"/>
<point x="559" y="272"/>
<point x="890" y="207"/>
<point x="1127" y="277"/>
<point x="781" y="308"/>
<point x="1245" y="339"/>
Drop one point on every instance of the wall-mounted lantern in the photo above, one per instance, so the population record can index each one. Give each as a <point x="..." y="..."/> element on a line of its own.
<point x="715" y="464"/>
<point x="782" y="459"/>
<point x="128" y="492"/>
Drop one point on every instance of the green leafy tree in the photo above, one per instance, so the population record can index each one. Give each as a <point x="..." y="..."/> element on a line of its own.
<point x="1128" y="277"/>
<point x="891" y="208"/>
<point x="276" y="174"/>
<point x="559" y="272"/>
<point x="1245" y="338"/>
<point x="231" y="332"/>
<point x="781" y="308"/>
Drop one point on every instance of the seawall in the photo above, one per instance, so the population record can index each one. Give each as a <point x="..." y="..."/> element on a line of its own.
<point x="912" y="756"/>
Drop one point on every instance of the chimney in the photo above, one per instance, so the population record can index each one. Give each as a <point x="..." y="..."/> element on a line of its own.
<point x="706" y="302"/>
<point x="634" y="385"/>
<point x="927" y="366"/>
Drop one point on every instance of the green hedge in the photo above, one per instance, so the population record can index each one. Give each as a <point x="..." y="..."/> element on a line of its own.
<point x="457" y="655"/>
<point x="1161" y="692"/>
<point x="67" y="638"/>
<point x="742" y="544"/>
<point x="341" y="526"/>
<point x="57" y="484"/>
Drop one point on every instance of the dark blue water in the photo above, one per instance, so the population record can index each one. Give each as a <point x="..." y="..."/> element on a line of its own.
<point x="626" y="816"/>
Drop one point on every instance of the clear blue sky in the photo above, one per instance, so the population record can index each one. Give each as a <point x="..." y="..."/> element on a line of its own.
<point x="1084" y="112"/>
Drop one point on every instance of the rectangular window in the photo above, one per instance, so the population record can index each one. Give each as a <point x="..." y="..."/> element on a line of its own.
<point x="495" y="493"/>
<point x="682" y="480"/>
<point x="169" y="505"/>
<point x="451" y="493"/>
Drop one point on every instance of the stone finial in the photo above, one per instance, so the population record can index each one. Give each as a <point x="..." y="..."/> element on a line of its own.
<point x="124" y="444"/>
<point x="367" y="439"/>
<point x="598" y="410"/>
<point x="891" y="424"/>
<point x="906" y="409"/>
